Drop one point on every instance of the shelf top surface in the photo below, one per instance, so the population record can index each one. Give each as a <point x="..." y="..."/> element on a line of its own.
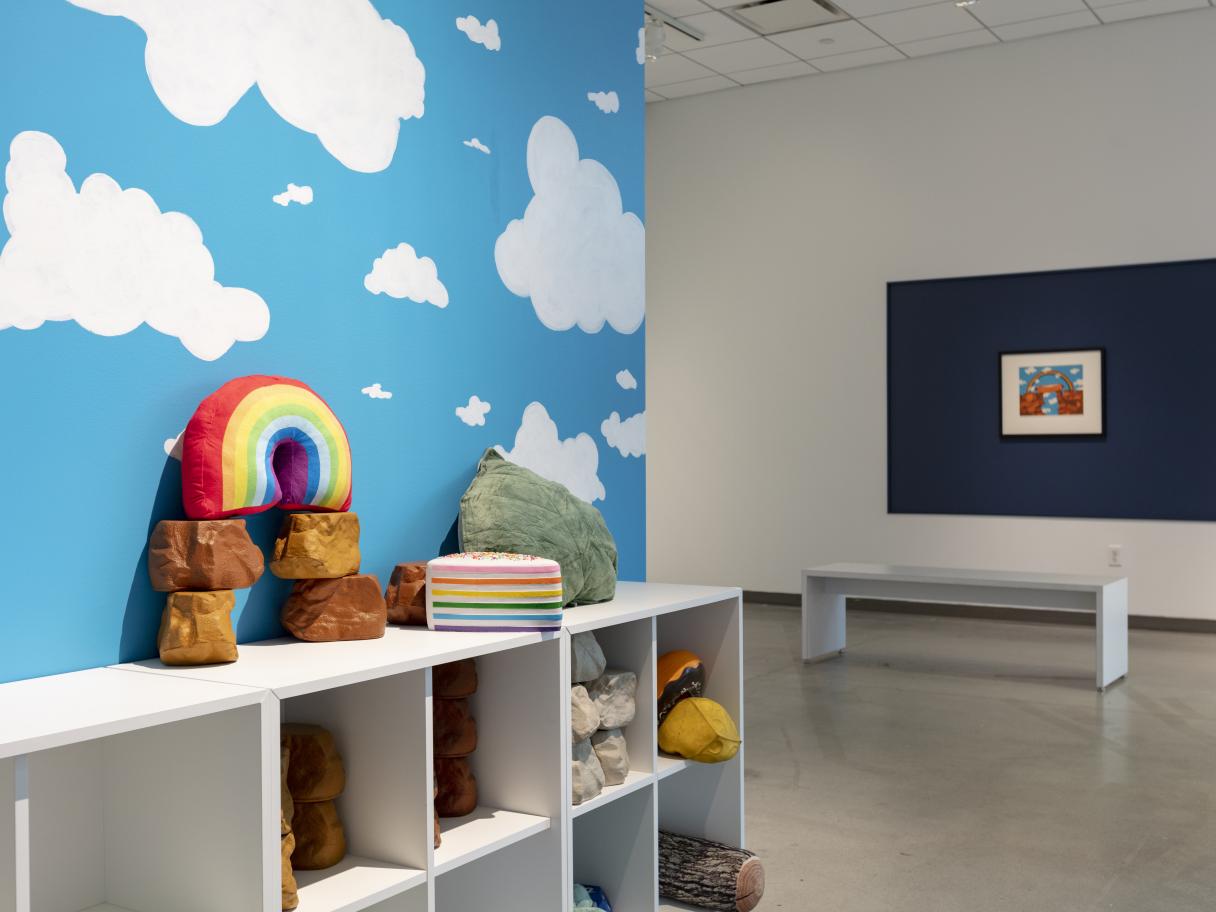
<point x="484" y="831"/>
<point x="291" y="667"/>
<point x="354" y="883"/>
<point x="43" y="713"/>
<point x="959" y="576"/>
<point x="635" y="601"/>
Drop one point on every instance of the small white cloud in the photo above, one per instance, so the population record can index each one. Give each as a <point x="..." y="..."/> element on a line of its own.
<point x="473" y="414"/>
<point x="641" y="51"/>
<point x="294" y="194"/>
<point x="608" y="102"/>
<point x="626" y="380"/>
<point x="173" y="446"/>
<point x="109" y="259"/>
<point x="486" y="35"/>
<point x="477" y="144"/>
<point x="1075" y="370"/>
<point x="376" y="391"/>
<point x="334" y="69"/>
<point x="628" y="436"/>
<point x="573" y="462"/>
<point x="575" y="252"/>
<point x="401" y="273"/>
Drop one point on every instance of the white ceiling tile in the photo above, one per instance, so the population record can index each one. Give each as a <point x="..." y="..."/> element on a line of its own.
<point x="673" y="68"/>
<point x="859" y="8"/>
<point x="927" y="46"/>
<point x="1044" y="26"/>
<point x="825" y="40"/>
<point x="767" y="74"/>
<point x="741" y="55"/>
<point x="717" y="28"/>
<point x="858" y="58"/>
<point x="653" y="96"/>
<point x="923" y="22"/>
<point x="1096" y="3"/>
<point x="1138" y="8"/>
<point x="718" y="4"/>
<point x="677" y="8"/>
<point x="698" y="86"/>
<point x="1003" y="12"/>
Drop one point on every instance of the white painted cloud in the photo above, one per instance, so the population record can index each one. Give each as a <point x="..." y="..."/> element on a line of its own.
<point x="477" y="144"/>
<point x="333" y="68"/>
<point x="473" y="414"/>
<point x="575" y="252"/>
<point x="486" y="35"/>
<point x="641" y="51"/>
<point x="376" y="391"/>
<point x="109" y="259"/>
<point x="1074" y="371"/>
<point x="608" y="102"/>
<point x="173" y="446"/>
<point x="294" y="194"/>
<point x="628" y="436"/>
<point x="573" y="462"/>
<point x="401" y="273"/>
<point x="625" y="380"/>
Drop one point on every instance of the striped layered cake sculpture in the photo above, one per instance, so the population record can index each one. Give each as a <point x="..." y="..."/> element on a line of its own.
<point x="260" y="442"/>
<point x="493" y="591"/>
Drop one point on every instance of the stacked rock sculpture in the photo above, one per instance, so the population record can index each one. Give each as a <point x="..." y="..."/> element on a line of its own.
<point x="406" y="594"/>
<point x="199" y="563"/>
<point x="602" y="703"/>
<point x="331" y="600"/>
<point x="313" y="778"/>
<point x="455" y="739"/>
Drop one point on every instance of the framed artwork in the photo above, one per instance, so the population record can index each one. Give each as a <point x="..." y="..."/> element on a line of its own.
<point x="1053" y="393"/>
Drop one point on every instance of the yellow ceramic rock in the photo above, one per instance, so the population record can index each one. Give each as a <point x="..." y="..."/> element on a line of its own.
<point x="700" y="729"/>
<point x="196" y="628"/>
<point x="317" y="546"/>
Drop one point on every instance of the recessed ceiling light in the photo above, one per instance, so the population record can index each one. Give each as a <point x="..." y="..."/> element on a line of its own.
<point x="963" y="4"/>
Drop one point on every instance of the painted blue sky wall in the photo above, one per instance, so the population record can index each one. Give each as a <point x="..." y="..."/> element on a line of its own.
<point x="357" y="179"/>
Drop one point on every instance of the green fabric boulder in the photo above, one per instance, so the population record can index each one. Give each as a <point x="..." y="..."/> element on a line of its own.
<point x="510" y="508"/>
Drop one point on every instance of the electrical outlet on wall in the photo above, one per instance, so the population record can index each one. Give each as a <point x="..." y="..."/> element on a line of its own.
<point x="1114" y="555"/>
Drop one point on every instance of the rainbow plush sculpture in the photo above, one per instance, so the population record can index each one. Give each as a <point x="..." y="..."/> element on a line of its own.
<point x="260" y="442"/>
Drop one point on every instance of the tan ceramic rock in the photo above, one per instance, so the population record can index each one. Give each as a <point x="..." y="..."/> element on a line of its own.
<point x="613" y="755"/>
<point x="406" y="594"/>
<point x="196" y="628"/>
<point x="203" y="554"/>
<point x="315" y="771"/>
<point x="586" y="774"/>
<point x="316" y="546"/>
<point x="586" y="658"/>
<point x="320" y="839"/>
<point x="584" y="717"/>
<point x="291" y="895"/>
<point x="326" y="610"/>
<point x="286" y="805"/>
<point x="615" y="696"/>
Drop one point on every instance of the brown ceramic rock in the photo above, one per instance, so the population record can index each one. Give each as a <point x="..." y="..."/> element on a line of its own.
<point x="204" y="554"/>
<point x="314" y="771"/>
<point x="406" y="594"/>
<point x="316" y="546"/>
<point x="196" y="628"/>
<point x="455" y="728"/>
<point x="325" y="610"/>
<point x="453" y="680"/>
<point x="457" y="788"/>
<point x="320" y="839"/>
<point x="286" y="806"/>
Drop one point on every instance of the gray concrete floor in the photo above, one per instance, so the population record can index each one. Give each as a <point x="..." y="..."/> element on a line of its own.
<point x="948" y="764"/>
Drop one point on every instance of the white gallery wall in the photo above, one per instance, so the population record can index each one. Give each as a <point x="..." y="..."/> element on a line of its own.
<point x="777" y="213"/>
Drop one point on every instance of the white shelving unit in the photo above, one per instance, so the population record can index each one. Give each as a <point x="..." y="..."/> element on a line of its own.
<point x="141" y="788"/>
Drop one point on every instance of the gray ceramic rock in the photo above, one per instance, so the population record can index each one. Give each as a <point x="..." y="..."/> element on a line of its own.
<point x="614" y="693"/>
<point x="586" y="774"/>
<point x="584" y="717"/>
<point x="587" y="660"/>
<point x="613" y="755"/>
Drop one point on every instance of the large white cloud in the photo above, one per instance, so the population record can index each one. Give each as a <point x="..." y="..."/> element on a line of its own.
<point x="573" y="462"/>
<point x="485" y="35"/>
<point x="575" y="253"/>
<point x="109" y="259"/>
<point x="628" y="436"/>
<point x="401" y="273"/>
<point x="473" y="414"/>
<point x="333" y="68"/>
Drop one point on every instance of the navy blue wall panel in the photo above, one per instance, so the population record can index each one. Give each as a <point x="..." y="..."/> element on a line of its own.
<point x="1157" y="324"/>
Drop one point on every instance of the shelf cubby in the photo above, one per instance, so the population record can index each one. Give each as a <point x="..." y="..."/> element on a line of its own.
<point x="615" y="847"/>
<point x="525" y="876"/>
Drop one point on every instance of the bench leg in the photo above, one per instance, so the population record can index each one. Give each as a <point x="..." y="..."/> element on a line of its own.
<point x="1112" y="633"/>
<point x="823" y="624"/>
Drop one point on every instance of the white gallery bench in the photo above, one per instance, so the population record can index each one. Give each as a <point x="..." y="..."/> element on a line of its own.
<point x="824" y="590"/>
